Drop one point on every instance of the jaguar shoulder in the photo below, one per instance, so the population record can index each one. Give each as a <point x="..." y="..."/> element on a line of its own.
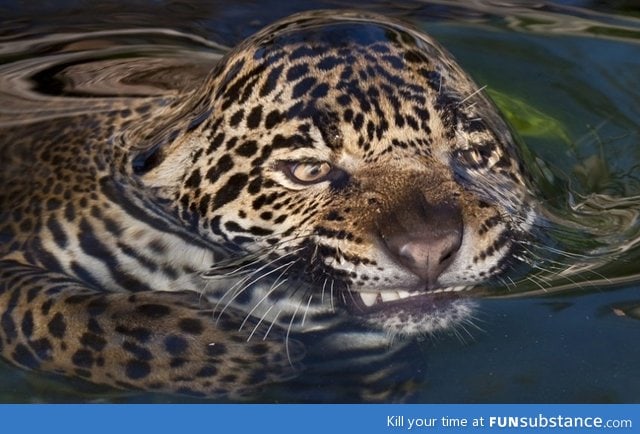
<point x="336" y="180"/>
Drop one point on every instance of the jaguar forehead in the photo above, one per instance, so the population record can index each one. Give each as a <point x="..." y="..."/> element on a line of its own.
<point x="367" y="85"/>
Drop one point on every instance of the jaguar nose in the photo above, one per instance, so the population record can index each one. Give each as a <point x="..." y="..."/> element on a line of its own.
<point x="426" y="247"/>
<point x="426" y="255"/>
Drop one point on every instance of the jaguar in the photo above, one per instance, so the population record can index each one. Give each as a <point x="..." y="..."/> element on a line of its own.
<point x="335" y="188"/>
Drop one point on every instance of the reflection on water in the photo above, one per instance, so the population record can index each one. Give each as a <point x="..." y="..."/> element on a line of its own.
<point x="567" y="79"/>
<point x="67" y="74"/>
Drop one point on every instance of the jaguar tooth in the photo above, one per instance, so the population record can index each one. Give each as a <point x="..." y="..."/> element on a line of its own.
<point x="369" y="298"/>
<point x="405" y="294"/>
<point x="390" y="296"/>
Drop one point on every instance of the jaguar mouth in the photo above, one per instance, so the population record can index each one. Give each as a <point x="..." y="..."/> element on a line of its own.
<point x="364" y="303"/>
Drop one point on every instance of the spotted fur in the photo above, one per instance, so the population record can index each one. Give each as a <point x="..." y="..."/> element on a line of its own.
<point x="188" y="244"/>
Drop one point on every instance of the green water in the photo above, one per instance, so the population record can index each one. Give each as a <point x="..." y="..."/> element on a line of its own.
<point x="568" y="79"/>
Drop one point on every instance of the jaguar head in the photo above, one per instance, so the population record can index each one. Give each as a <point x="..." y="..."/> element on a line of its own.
<point x="352" y="159"/>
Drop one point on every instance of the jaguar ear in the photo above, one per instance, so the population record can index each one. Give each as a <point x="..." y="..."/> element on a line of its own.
<point x="156" y="144"/>
<point x="151" y="157"/>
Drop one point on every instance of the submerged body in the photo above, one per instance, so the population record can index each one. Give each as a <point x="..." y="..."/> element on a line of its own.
<point x="337" y="180"/>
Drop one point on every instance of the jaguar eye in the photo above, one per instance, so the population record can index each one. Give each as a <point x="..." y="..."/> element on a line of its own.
<point x="308" y="173"/>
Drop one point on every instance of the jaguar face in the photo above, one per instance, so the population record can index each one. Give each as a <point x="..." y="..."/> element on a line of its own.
<point x="356" y="155"/>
